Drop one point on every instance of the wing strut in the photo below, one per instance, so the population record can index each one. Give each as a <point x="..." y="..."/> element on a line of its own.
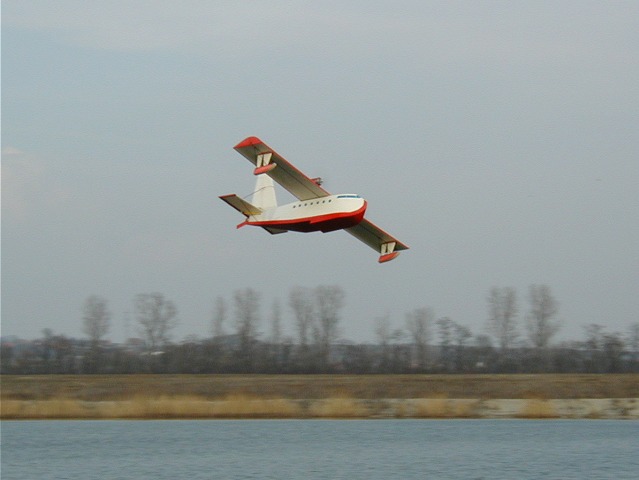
<point x="388" y="252"/>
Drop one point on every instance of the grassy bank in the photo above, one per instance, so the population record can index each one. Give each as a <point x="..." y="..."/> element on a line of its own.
<point x="319" y="396"/>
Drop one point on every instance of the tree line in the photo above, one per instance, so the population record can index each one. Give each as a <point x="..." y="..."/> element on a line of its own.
<point x="509" y="343"/>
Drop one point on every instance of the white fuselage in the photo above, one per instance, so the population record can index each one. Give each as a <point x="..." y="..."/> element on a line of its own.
<point x="332" y="212"/>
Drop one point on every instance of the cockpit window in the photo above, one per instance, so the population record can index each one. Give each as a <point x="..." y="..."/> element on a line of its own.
<point x="348" y="196"/>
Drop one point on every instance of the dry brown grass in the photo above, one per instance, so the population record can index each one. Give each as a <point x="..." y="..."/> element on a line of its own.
<point x="444" y="408"/>
<point x="246" y="407"/>
<point x="296" y="396"/>
<point x="338" y="408"/>
<point x="432" y="408"/>
<point x="141" y="407"/>
<point x="537" y="408"/>
<point x="58" y="409"/>
<point x="151" y="408"/>
<point x="214" y="387"/>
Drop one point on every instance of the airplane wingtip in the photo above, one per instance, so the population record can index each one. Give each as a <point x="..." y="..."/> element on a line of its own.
<point x="247" y="142"/>
<point x="387" y="257"/>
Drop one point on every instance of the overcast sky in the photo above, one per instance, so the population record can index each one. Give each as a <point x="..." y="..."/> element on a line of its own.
<point x="499" y="140"/>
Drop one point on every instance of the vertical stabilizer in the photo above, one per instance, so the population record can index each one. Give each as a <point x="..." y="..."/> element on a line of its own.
<point x="264" y="195"/>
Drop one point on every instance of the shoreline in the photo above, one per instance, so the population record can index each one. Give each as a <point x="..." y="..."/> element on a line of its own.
<point x="328" y="408"/>
<point x="151" y="396"/>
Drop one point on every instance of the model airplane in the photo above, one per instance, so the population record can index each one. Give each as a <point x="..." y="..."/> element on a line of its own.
<point x="316" y="209"/>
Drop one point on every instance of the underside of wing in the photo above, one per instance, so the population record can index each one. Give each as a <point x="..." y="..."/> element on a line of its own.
<point x="284" y="173"/>
<point x="385" y="244"/>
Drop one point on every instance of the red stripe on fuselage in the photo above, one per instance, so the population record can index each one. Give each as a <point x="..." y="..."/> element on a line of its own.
<point x="318" y="223"/>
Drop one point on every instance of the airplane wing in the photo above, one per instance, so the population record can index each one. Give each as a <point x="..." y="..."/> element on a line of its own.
<point x="385" y="244"/>
<point x="284" y="173"/>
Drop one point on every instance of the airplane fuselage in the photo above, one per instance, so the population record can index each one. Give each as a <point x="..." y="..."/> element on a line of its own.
<point x="325" y="214"/>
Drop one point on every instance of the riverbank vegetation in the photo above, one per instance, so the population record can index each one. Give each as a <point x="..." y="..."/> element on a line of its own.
<point x="319" y="396"/>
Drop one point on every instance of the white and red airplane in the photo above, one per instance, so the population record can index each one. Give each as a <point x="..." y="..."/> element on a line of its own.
<point x="316" y="209"/>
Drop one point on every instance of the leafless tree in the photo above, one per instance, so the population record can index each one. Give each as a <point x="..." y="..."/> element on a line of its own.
<point x="613" y="351"/>
<point x="219" y="317"/>
<point x="418" y="324"/>
<point x="445" y="328"/>
<point x="57" y="356"/>
<point x="382" y="329"/>
<point x="594" y="336"/>
<point x="401" y="359"/>
<point x="157" y="317"/>
<point x="461" y="335"/>
<point x="543" y="308"/>
<point x="383" y="335"/>
<point x="276" y="348"/>
<point x="594" y="345"/>
<point x="246" y="323"/>
<point x="301" y="302"/>
<point x="96" y="319"/>
<point x="329" y="302"/>
<point x="247" y="312"/>
<point x="633" y="344"/>
<point x="502" y="316"/>
<point x="276" y="323"/>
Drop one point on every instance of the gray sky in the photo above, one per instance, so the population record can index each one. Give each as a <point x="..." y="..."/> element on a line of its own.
<point x="499" y="140"/>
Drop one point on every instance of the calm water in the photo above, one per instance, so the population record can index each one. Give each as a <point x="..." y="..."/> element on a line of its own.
<point x="321" y="449"/>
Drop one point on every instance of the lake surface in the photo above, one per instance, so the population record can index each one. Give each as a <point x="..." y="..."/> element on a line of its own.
<point x="320" y="449"/>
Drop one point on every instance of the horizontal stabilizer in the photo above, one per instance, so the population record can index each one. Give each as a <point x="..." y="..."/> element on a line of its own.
<point x="240" y="205"/>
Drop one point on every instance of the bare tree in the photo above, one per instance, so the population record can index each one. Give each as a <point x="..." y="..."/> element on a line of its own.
<point x="219" y="317"/>
<point x="157" y="317"/>
<point x="445" y="327"/>
<point x="613" y="351"/>
<point x="276" y="323"/>
<point x="594" y="345"/>
<point x="633" y="345"/>
<point x="57" y="356"/>
<point x="594" y="336"/>
<point x="502" y="316"/>
<point x="275" y="347"/>
<point x="418" y="324"/>
<point x="301" y="302"/>
<point x="462" y="335"/>
<point x="543" y="308"/>
<point x="246" y="323"/>
<point x="383" y="335"/>
<point x="382" y="329"/>
<point x="401" y="359"/>
<point x="329" y="301"/>
<point x="96" y="319"/>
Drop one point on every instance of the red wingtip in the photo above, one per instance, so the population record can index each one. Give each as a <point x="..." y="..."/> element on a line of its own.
<point x="248" y="141"/>
<point x="388" y="257"/>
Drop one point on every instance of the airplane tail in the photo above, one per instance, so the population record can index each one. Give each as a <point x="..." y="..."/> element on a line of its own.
<point x="264" y="195"/>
